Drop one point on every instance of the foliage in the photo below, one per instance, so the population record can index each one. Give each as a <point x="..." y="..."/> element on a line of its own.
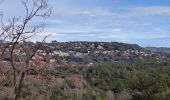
<point x="93" y="94"/>
<point x="60" y="73"/>
<point x="144" y="80"/>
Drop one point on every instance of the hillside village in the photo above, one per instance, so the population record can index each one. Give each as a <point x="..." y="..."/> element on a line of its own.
<point x="86" y="53"/>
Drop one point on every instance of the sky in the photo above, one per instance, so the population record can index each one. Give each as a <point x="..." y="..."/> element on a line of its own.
<point x="142" y="22"/>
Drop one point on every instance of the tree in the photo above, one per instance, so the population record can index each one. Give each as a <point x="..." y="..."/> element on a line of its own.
<point x="19" y="30"/>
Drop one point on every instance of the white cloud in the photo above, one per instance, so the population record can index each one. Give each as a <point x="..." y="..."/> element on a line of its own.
<point x="131" y="36"/>
<point x="73" y="11"/>
<point x="152" y="10"/>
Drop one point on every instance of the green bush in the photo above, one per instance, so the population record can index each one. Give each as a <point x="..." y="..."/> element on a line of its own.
<point x="60" y="73"/>
<point x="144" y="80"/>
<point x="93" y="94"/>
<point x="70" y="83"/>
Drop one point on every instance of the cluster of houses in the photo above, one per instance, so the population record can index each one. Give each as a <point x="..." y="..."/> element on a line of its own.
<point x="87" y="52"/>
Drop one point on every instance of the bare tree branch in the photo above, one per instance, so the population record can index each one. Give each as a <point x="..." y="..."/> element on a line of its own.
<point x="18" y="29"/>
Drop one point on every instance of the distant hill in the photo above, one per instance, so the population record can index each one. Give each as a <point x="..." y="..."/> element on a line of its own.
<point x="82" y="52"/>
<point x="159" y="49"/>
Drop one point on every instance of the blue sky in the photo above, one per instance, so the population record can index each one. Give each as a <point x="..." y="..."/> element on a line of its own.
<point x="143" y="22"/>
